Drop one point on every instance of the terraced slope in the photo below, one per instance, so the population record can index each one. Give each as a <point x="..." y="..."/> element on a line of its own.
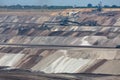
<point x="23" y="29"/>
<point x="61" y="60"/>
<point x="38" y="42"/>
<point x="74" y="35"/>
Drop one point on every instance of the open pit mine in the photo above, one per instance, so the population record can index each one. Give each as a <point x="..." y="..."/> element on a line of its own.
<point x="70" y="44"/>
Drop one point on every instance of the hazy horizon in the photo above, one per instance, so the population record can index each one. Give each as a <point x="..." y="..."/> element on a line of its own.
<point x="59" y="3"/>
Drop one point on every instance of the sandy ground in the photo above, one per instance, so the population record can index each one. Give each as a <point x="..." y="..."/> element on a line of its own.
<point x="24" y="75"/>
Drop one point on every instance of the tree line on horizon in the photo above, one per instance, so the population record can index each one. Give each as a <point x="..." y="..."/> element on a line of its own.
<point x="18" y="6"/>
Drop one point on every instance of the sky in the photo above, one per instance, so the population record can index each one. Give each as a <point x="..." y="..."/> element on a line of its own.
<point x="59" y="2"/>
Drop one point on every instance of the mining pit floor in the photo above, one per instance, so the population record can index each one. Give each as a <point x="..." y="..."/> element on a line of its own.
<point x="58" y="45"/>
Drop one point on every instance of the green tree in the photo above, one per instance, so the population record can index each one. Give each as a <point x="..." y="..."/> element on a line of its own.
<point x="89" y="5"/>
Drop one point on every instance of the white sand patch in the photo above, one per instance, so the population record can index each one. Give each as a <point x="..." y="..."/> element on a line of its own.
<point x="10" y="59"/>
<point x="85" y="42"/>
<point x="65" y="65"/>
